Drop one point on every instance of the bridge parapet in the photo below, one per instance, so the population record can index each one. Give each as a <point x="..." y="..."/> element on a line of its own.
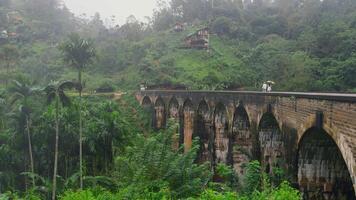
<point x="296" y="116"/>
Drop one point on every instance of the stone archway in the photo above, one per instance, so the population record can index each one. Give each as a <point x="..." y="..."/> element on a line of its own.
<point x="173" y="109"/>
<point x="271" y="144"/>
<point x="173" y="114"/>
<point x="242" y="140"/>
<point x="160" y="114"/>
<point x="203" y="131"/>
<point x="188" y="122"/>
<point x="322" y="171"/>
<point x="148" y="108"/>
<point x="221" y="136"/>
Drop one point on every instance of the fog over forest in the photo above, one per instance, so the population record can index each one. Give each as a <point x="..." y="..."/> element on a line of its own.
<point x="71" y="127"/>
<point x="121" y="9"/>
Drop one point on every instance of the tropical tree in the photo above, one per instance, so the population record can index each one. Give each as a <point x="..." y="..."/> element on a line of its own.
<point x="79" y="53"/>
<point x="20" y="96"/>
<point x="2" y="109"/>
<point x="55" y="93"/>
<point x="9" y="54"/>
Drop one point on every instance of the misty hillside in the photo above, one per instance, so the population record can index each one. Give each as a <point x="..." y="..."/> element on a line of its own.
<point x="75" y="125"/>
<point x="302" y="45"/>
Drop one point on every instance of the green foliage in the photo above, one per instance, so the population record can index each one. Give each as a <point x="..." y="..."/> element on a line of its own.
<point x="152" y="165"/>
<point x="253" y="177"/>
<point x="222" y="25"/>
<point x="285" y="191"/>
<point x="29" y="195"/>
<point x="301" y="45"/>
<point x="78" y="52"/>
<point x="81" y="195"/>
<point x="213" y="195"/>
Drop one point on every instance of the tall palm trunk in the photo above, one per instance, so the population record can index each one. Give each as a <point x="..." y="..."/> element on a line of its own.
<point x="30" y="148"/>
<point x="7" y="73"/>
<point x="80" y="129"/>
<point x="56" y="151"/>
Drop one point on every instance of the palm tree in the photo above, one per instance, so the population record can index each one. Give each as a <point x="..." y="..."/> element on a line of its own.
<point x="2" y="110"/>
<point x="9" y="55"/>
<point x="55" y="92"/>
<point x="79" y="53"/>
<point x="20" y="94"/>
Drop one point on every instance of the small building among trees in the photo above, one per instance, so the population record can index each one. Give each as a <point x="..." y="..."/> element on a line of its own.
<point x="198" y="39"/>
<point x="179" y="27"/>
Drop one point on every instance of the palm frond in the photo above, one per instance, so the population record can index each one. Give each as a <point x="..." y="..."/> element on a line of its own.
<point x="55" y="89"/>
<point x="67" y="85"/>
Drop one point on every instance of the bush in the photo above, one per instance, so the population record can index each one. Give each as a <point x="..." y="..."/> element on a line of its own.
<point x="79" y="195"/>
<point x="213" y="195"/>
<point x="285" y="191"/>
<point x="253" y="178"/>
<point x="106" y="87"/>
<point x="152" y="166"/>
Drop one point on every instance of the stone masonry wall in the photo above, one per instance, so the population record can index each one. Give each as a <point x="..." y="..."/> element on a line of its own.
<point x="295" y="114"/>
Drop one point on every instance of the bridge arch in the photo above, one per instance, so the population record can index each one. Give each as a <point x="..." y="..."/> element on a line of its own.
<point x="188" y="124"/>
<point x="242" y="140"/>
<point x="336" y="133"/>
<point x="221" y="136"/>
<point x="173" y="114"/>
<point x="203" y="131"/>
<point x="271" y="145"/>
<point x="146" y="101"/>
<point x="173" y="109"/>
<point x="148" y="108"/>
<point x="322" y="170"/>
<point x="160" y="113"/>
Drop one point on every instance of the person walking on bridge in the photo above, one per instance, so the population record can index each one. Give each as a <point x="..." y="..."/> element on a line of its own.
<point x="269" y="85"/>
<point x="264" y="87"/>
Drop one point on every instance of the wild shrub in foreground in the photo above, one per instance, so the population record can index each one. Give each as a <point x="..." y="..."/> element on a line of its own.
<point x="151" y="165"/>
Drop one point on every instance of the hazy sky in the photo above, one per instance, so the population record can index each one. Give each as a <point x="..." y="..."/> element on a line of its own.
<point x="120" y="8"/>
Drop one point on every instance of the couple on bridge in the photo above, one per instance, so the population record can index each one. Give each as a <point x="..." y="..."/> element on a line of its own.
<point x="267" y="86"/>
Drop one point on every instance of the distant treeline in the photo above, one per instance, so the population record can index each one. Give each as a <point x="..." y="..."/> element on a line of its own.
<point x="302" y="45"/>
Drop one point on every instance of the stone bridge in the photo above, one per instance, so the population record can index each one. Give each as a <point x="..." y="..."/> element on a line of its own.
<point x="312" y="136"/>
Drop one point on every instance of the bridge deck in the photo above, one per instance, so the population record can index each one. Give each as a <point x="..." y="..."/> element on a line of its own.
<point x="348" y="97"/>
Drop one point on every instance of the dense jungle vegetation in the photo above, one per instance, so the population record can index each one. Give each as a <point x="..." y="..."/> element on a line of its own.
<point x="60" y="141"/>
<point x="302" y="45"/>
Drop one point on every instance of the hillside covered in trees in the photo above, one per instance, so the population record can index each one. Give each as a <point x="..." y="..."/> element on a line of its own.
<point x="58" y="140"/>
<point x="303" y="45"/>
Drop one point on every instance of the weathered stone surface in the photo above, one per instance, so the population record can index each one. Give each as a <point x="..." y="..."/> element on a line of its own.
<point x="321" y="168"/>
<point x="221" y="142"/>
<point x="173" y="114"/>
<point x="174" y="109"/>
<point x="271" y="142"/>
<point x="203" y="131"/>
<point x="188" y="122"/>
<point x="242" y="144"/>
<point x="294" y="113"/>
<point x="159" y="115"/>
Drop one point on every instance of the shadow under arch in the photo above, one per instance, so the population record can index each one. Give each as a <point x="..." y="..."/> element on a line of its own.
<point x="148" y="109"/>
<point x="221" y="136"/>
<point x="322" y="171"/>
<point x="173" y="114"/>
<point x="160" y="113"/>
<point x="271" y="144"/>
<point x="188" y="124"/>
<point x="146" y="101"/>
<point x="203" y="132"/>
<point x="173" y="109"/>
<point x="241" y="143"/>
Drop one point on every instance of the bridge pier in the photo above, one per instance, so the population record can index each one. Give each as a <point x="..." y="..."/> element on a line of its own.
<point x="188" y="125"/>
